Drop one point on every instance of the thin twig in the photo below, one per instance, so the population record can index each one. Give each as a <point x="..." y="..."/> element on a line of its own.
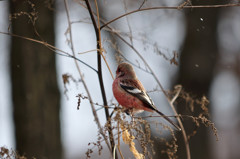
<point x="51" y="47"/>
<point x="83" y="81"/>
<point x="128" y="23"/>
<point x="87" y="51"/>
<point x="178" y="88"/>
<point x="118" y="133"/>
<point x="99" y="49"/>
<point x="142" y="4"/>
<point x="165" y="7"/>
<point x="114" y="150"/>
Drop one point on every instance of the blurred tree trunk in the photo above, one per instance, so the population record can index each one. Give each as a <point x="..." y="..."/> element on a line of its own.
<point x="197" y="61"/>
<point x="36" y="97"/>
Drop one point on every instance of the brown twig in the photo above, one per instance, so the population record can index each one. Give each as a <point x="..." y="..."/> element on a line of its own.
<point x="165" y="7"/>
<point x="128" y="23"/>
<point x="51" y="47"/>
<point x="99" y="52"/>
<point x="142" y="4"/>
<point x="118" y="135"/>
<point x="81" y="75"/>
<point x="179" y="88"/>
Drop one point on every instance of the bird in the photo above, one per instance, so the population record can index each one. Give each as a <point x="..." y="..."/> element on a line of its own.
<point x="130" y="93"/>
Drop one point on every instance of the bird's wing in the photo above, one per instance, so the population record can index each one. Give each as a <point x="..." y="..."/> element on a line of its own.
<point x="141" y="95"/>
<point x="136" y="90"/>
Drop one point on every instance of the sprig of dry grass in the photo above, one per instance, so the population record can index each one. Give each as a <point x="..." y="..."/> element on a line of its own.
<point x="6" y="153"/>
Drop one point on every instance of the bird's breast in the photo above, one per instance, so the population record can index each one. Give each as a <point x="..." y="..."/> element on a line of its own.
<point x="125" y="99"/>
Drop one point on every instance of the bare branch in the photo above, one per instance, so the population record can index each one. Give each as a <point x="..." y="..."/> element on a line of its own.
<point x="81" y="75"/>
<point x="99" y="53"/>
<point x="165" y="7"/>
<point x="51" y="47"/>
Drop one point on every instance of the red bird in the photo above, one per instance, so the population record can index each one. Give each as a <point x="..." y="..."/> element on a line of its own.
<point x="131" y="94"/>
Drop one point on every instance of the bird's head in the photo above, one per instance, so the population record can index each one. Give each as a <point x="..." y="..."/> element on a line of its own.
<point x="125" y="70"/>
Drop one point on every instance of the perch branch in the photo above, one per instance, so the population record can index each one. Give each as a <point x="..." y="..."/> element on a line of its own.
<point x="99" y="52"/>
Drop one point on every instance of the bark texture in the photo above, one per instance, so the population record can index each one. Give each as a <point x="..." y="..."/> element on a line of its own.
<point x="36" y="97"/>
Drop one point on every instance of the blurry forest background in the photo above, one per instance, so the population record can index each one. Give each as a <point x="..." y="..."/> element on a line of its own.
<point x="195" y="47"/>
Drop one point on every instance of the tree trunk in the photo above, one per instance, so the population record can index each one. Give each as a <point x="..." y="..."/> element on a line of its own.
<point x="36" y="97"/>
<point x="197" y="62"/>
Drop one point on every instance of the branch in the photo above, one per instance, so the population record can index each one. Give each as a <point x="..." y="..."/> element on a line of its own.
<point x="81" y="75"/>
<point x="99" y="53"/>
<point x="51" y="47"/>
<point x="164" y="7"/>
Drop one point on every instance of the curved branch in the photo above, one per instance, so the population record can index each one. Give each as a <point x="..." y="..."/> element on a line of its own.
<point x="165" y="7"/>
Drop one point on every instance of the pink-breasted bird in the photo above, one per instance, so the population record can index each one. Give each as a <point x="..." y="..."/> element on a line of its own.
<point x="131" y="94"/>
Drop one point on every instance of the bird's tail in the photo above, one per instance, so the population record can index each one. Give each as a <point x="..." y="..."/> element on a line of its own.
<point x="169" y="120"/>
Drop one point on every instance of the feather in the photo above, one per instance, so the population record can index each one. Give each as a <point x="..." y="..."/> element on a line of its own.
<point x="144" y="97"/>
<point x="141" y="95"/>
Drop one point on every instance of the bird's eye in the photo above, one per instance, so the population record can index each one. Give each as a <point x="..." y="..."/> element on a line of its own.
<point x="118" y="70"/>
